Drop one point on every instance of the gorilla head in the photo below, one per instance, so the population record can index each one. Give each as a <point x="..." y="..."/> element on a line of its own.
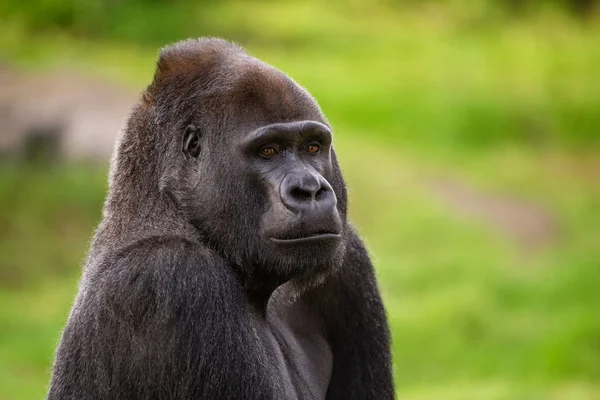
<point x="245" y="158"/>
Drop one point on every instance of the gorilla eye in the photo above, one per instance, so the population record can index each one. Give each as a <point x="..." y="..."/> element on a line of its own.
<point x="268" y="152"/>
<point x="313" y="148"/>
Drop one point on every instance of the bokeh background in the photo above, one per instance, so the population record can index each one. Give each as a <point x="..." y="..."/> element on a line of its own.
<point x="469" y="133"/>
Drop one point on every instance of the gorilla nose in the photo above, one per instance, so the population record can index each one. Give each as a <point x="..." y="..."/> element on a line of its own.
<point x="306" y="191"/>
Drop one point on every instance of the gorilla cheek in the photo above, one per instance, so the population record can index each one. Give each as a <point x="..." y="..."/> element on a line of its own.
<point x="277" y="220"/>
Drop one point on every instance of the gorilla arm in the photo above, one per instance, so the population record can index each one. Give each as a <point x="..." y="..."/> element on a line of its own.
<point x="357" y="329"/>
<point x="164" y="319"/>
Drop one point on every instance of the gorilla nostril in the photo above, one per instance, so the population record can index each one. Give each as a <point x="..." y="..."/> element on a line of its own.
<point x="300" y="194"/>
<point x="321" y="193"/>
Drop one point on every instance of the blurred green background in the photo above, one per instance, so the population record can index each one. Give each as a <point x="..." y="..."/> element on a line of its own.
<point x="469" y="133"/>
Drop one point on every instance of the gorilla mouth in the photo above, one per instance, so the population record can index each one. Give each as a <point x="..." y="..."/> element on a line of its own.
<point x="305" y="239"/>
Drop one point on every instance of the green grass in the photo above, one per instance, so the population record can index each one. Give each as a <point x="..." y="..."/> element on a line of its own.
<point x="508" y="107"/>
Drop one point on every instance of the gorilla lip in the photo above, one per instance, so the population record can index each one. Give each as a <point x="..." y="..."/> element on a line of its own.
<point x="307" y="239"/>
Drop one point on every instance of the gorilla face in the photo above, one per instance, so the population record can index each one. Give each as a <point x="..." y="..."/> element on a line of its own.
<point x="292" y="159"/>
<point x="272" y="203"/>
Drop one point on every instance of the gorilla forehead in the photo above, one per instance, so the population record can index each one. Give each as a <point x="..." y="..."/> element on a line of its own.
<point x="228" y="83"/>
<point x="266" y="95"/>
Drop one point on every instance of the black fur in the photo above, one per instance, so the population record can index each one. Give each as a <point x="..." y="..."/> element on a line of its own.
<point x="224" y="267"/>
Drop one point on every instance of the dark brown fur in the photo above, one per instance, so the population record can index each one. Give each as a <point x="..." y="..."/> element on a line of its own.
<point x="185" y="293"/>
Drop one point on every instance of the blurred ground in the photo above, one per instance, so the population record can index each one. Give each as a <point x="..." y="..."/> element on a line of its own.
<point x="525" y="224"/>
<point x="76" y="116"/>
<point x="469" y="134"/>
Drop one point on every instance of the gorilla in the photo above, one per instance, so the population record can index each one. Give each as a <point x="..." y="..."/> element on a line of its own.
<point x="224" y="266"/>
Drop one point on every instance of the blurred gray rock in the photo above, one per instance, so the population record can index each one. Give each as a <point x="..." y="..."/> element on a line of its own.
<point x="60" y="115"/>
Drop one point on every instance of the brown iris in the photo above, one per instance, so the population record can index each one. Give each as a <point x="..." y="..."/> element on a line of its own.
<point x="313" y="148"/>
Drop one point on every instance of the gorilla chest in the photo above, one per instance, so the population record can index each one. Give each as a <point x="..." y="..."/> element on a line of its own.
<point x="300" y="354"/>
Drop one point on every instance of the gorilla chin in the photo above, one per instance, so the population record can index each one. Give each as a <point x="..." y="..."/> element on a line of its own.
<point x="302" y="260"/>
<point x="305" y="252"/>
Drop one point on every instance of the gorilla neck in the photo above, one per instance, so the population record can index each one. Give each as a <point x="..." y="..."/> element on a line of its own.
<point x="258" y="285"/>
<point x="259" y="293"/>
<point x="262" y="283"/>
<point x="133" y="212"/>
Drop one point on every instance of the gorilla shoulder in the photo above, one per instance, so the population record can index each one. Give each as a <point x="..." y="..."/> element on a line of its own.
<point x="156" y="279"/>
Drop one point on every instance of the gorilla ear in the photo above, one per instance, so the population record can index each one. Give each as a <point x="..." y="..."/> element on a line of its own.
<point x="191" y="142"/>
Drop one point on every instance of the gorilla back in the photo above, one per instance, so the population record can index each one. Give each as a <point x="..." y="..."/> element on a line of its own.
<point x="224" y="266"/>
